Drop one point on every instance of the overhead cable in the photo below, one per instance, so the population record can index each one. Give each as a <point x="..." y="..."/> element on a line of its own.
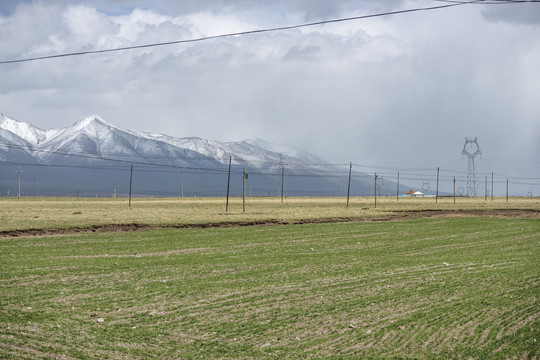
<point x="249" y="32"/>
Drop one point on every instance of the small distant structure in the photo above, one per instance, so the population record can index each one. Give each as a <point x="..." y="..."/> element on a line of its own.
<point x="414" y="193"/>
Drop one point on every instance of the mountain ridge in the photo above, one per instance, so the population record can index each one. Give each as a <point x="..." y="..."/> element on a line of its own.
<point x="92" y="132"/>
<point x="93" y="156"/>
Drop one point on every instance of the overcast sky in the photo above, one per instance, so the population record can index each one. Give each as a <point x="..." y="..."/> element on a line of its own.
<point x="392" y="92"/>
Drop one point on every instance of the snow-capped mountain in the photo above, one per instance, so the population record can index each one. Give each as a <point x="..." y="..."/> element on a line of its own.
<point x="97" y="139"/>
<point x="94" y="156"/>
<point x="253" y="153"/>
<point x="23" y="130"/>
<point x="14" y="147"/>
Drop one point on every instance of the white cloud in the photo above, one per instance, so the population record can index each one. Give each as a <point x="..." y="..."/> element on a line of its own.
<point x="394" y="91"/>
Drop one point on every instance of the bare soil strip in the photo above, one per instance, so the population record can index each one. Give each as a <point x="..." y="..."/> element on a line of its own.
<point x="498" y="213"/>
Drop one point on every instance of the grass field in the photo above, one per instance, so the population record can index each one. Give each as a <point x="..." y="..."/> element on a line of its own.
<point x="434" y="288"/>
<point x="62" y="213"/>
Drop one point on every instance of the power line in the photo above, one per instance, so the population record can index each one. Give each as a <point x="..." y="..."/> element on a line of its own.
<point x="249" y="32"/>
<point x="298" y="169"/>
<point x="117" y="157"/>
<point x="491" y="2"/>
<point x="328" y="174"/>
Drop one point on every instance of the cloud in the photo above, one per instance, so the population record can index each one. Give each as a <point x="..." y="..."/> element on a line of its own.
<point x="517" y="13"/>
<point x="399" y="91"/>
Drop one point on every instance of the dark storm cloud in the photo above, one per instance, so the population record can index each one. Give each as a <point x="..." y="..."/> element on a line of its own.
<point x="7" y="7"/>
<point x="312" y="9"/>
<point x="518" y="13"/>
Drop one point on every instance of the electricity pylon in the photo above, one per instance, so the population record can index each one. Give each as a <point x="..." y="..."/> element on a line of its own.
<point x="281" y="183"/>
<point x="472" y="186"/>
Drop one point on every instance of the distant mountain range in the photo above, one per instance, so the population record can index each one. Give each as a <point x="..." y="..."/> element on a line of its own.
<point x="93" y="158"/>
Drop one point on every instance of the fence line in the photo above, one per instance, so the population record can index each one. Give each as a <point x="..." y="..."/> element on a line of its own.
<point x="161" y="180"/>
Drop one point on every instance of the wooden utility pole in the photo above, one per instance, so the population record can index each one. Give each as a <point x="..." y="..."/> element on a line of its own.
<point x="349" y="186"/>
<point x="397" y="191"/>
<point x="375" y="189"/>
<point x="437" y="192"/>
<point x="19" y="175"/>
<point x="228" y="185"/>
<point x="130" y="183"/>
<point x="181" y="182"/>
<point x="282" y="182"/>
<point x="492" y="186"/>
<point x="244" y="190"/>
<point x="506" y="190"/>
<point x="454" y="189"/>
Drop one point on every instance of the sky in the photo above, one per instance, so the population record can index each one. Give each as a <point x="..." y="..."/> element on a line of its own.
<point x="391" y="93"/>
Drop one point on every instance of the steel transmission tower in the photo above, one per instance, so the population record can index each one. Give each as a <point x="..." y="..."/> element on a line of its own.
<point x="471" y="149"/>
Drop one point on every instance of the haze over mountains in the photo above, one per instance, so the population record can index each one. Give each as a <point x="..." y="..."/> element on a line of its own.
<point x="93" y="158"/>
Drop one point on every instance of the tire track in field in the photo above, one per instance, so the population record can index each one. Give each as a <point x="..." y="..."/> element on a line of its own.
<point x="370" y="325"/>
<point x="523" y="320"/>
<point x="465" y="331"/>
<point x="387" y="216"/>
<point x="30" y="348"/>
<point x="438" y="337"/>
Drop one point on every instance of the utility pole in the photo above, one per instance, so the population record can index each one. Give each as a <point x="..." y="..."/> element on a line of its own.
<point x="507" y="190"/>
<point x="130" y="183"/>
<point x="282" y="182"/>
<point x="181" y="182"/>
<point x="349" y="186"/>
<point x="19" y="175"/>
<point x="397" y="191"/>
<point x="281" y="165"/>
<point x="375" y="189"/>
<point x="454" y="189"/>
<point x="437" y="192"/>
<point x="228" y="185"/>
<point x="492" y="186"/>
<point x="244" y="176"/>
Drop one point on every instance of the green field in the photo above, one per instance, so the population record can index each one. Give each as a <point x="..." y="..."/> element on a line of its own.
<point x="434" y="288"/>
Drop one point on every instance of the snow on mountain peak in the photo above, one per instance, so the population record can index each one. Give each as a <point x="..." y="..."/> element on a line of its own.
<point x="95" y="127"/>
<point x="22" y="129"/>
<point x="92" y="120"/>
<point x="96" y="136"/>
